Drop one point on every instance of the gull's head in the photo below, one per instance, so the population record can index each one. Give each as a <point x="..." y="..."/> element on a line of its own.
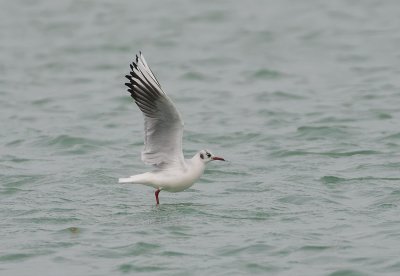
<point x="206" y="156"/>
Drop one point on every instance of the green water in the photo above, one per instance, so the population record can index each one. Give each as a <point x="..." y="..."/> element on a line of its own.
<point x="302" y="97"/>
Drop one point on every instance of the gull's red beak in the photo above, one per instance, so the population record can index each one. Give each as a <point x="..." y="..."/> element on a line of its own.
<point x="218" y="158"/>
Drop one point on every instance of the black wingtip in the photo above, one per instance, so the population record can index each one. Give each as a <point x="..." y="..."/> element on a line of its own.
<point x="129" y="85"/>
<point x="130" y="65"/>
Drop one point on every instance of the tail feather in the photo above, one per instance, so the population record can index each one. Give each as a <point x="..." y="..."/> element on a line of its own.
<point x="138" y="179"/>
<point x="125" y="180"/>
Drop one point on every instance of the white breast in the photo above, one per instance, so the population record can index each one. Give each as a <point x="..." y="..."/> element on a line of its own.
<point x="176" y="180"/>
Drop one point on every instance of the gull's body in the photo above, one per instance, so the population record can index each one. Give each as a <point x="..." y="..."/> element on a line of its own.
<point x="171" y="179"/>
<point x="163" y="127"/>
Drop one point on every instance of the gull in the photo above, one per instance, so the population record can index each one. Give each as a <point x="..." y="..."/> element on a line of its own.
<point x="163" y="131"/>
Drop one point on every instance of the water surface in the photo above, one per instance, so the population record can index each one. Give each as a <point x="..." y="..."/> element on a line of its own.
<point x="301" y="96"/>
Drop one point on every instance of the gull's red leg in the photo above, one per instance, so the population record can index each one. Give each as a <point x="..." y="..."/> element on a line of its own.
<point x="157" y="192"/>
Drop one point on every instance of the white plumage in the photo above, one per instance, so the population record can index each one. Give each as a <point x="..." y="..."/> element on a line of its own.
<point x="163" y="129"/>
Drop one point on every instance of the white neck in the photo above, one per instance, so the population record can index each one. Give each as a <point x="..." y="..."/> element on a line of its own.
<point x="196" y="166"/>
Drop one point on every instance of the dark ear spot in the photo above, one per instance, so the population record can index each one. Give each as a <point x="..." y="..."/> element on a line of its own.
<point x="201" y="156"/>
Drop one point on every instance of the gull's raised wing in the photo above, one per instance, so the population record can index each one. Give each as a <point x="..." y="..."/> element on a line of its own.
<point x="163" y="125"/>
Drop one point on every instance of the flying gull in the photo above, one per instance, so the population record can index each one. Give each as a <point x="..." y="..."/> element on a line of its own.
<point x="163" y="129"/>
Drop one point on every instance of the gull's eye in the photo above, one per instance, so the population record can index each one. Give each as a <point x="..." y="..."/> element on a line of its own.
<point x="208" y="154"/>
<point x="201" y="156"/>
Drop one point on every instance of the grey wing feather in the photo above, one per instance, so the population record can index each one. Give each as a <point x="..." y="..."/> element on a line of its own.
<point x="163" y="125"/>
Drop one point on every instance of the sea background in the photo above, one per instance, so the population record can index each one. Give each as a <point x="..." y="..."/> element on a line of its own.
<point x="302" y="98"/>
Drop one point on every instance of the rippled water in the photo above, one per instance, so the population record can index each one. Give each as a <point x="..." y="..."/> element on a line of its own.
<point x="301" y="96"/>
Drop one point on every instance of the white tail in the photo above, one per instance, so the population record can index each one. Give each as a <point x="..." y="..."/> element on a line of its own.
<point x="125" y="180"/>
<point x="137" y="179"/>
